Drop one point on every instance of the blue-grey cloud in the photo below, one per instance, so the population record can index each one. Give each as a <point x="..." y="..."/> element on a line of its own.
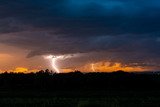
<point x="129" y="29"/>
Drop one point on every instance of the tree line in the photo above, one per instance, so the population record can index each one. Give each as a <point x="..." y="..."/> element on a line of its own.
<point x="50" y="81"/>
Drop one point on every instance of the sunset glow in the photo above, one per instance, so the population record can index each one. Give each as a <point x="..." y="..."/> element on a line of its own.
<point x="107" y="67"/>
<point x="21" y="70"/>
<point x="90" y="36"/>
<point x="79" y="53"/>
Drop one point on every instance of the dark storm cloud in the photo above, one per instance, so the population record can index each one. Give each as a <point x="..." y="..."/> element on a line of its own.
<point x="86" y="17"/>
<point x="125" y="30"/>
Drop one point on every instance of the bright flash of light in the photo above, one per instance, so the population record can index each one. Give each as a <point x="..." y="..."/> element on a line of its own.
<point x="53" y="60"/>
<point x="92" y="66"/>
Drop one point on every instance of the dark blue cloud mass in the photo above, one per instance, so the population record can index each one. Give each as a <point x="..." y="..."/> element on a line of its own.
<point x="120" y="27"/>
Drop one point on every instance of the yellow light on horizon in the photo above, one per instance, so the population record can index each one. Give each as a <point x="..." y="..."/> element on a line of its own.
<point x="110" y="67"/>
<point x="21" y="70"/>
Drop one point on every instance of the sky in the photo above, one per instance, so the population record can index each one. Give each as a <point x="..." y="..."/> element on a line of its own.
<point x="86" y="35"/>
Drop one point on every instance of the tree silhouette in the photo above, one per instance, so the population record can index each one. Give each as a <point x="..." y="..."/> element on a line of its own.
<point x="46" y="80"/>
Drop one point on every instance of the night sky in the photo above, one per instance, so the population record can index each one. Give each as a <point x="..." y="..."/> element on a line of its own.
<point x="89" y="35"/>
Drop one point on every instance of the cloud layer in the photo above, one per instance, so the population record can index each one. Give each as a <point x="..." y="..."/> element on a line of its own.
<point x="126" y="31"/>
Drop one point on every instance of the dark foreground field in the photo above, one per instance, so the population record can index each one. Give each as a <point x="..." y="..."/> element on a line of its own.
<point x="80" y="90"/>
<point x="81" y="99"/>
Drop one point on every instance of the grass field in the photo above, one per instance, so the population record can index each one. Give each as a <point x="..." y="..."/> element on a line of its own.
<point x="110" y="99"/>
<point x="80" y="102"/>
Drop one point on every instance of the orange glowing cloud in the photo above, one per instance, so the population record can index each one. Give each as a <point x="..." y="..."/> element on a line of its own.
<point x="106" y="67"/>
<point x="5" y="57"/>
<point x="21" y="70"/>
<point x="65" y="70"/>
<point x="1" y="71"/>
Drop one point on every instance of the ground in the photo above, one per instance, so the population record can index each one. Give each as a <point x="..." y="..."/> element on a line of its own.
<point x="81" y="99"/>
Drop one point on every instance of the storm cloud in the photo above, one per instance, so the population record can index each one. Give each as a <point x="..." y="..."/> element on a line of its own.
<point x="126" y="31"/>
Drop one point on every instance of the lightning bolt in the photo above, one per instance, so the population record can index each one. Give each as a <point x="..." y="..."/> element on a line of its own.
<point x="92" y="66"/>
<point x="54" y="59"/>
